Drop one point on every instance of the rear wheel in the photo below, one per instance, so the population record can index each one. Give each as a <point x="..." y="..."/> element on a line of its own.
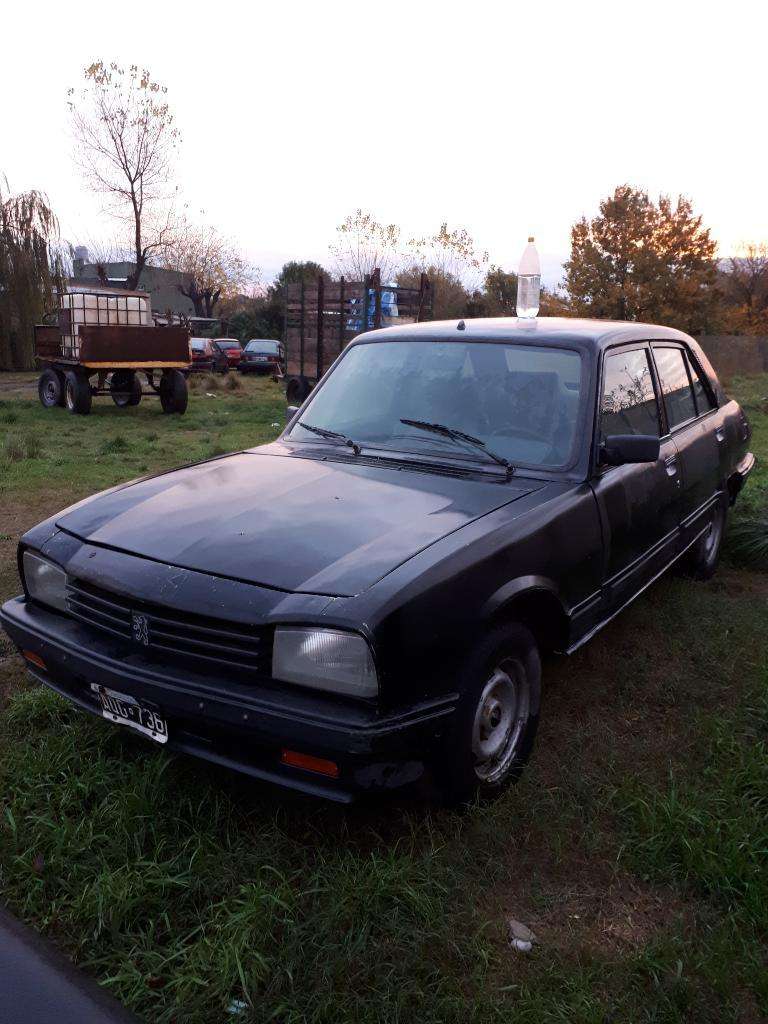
<point x="77" y="393"/>
<point x="50" y="388"/>
<point x="495" y="724"/>
<point x="173" y="392"/>
<point x="125" y="388"/>
<point x="702" y="559"/>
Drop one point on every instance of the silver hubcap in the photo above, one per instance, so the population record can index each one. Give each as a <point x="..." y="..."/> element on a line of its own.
<point x="500" y="718"/>
<point x="50" y="392"/>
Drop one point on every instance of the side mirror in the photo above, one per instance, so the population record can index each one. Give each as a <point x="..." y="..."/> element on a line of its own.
<point x="620" y="449"/>
<point x="290" y="412"/>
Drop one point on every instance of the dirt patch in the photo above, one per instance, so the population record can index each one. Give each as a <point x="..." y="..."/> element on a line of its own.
<point x="18" y="385"/>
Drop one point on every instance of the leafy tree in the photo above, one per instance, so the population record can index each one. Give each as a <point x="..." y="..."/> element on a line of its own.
<point x="296" y="271"/>
<point x="640" y="260"/>
<point x="126" y="140"/>
<point x="30" y="272"/>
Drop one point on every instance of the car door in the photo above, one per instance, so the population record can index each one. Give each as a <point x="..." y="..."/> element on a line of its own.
<point x="695" y="425"/>
<point x="639" y="504"/>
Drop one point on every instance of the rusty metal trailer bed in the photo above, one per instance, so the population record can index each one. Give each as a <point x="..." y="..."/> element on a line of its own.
<point x="102" y="343"/>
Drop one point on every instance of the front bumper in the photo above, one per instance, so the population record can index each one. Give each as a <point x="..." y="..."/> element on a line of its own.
<point x="243" y="727"/>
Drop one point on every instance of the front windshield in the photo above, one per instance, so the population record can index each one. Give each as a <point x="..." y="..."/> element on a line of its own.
<point x="520" y="400"/>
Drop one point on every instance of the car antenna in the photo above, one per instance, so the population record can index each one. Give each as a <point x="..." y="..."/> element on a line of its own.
<point x="461" y="326"/>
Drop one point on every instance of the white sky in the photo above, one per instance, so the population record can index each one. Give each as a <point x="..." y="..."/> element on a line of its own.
<point x="508" y="119"/>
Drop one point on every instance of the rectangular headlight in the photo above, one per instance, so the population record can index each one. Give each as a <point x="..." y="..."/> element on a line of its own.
<point x="326" y="659"/>
<point x="45" y="581"/>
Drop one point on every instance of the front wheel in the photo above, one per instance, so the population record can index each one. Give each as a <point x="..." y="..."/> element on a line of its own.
<point x="702" y="559"/>
<point x="50" y="389"/>
<point x="495" y="723"/>
<point x="173" y="392"/>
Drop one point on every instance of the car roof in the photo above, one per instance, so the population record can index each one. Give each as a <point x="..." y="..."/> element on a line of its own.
<point x="556" y="331"/>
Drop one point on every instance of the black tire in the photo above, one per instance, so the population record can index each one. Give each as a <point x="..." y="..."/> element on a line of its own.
<point x="77" y="393"/>
<point x="701" y="561"/>
<point x="500" y="687"/>
<point x="50" y="389"/>
<point x="297" y="390"/>
<point x="173" y="392"/>
<point x="125" y="388"/>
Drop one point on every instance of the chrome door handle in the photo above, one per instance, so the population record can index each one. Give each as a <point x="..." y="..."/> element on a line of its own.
<point x="671" y="465"/>
<point x="720" y="435"/>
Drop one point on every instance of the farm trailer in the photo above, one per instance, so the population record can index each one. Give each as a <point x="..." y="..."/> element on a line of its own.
<point x="323" y="316"/>
<point x="108" y="334"/>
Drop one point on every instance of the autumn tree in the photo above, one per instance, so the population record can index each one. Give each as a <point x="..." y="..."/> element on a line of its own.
<point x="644" y="260"/>
<point x="213" y="265"/>
<point x="30" y="271"/>
<point x="126" y="141"/>
<point x="362" y="244"/>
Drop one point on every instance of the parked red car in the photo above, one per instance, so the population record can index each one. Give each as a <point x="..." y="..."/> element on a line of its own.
<point x="232" y="349"/>
<point x="206" y="357"/>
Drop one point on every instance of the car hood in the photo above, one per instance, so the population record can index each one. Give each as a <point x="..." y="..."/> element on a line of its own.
<point x="280" y="520"/>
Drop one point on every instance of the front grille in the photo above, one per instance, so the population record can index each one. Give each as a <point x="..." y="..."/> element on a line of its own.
<point x="167" y="634"/>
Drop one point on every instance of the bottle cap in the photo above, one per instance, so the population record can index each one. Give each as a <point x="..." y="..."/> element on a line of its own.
<point x="530" y="238"/>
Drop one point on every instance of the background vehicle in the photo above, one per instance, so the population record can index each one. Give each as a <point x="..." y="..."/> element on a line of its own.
<point x="322" y="318"/>
<point x="103" y="343"/>
<point x="206" y="358"/>
<point x="453" y="500"/>
<point x="231" y="348"/>
<point x="263" y="355"/>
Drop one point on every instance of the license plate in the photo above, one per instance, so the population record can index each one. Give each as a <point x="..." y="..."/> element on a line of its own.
<point x="261" y="359"/>
<point x="126" y="710"/>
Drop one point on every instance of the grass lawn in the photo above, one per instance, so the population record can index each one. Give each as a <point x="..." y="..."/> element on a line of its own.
<point x="636" y="845"/>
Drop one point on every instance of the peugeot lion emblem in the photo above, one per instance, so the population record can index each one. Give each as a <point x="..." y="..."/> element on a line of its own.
<point x="140" y="627"/>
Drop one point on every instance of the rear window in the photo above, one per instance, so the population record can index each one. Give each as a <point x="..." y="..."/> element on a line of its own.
<point x="198" y="344"/>
<point x="271" y="347"/>
<point x="228" y="344"/>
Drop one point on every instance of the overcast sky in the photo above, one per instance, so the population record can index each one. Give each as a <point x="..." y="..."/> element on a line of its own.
<point x="507" y="119"/>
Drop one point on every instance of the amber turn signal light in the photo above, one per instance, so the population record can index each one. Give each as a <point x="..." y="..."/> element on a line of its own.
<point x="35" y="659"/>
<point x="309" y="763"/>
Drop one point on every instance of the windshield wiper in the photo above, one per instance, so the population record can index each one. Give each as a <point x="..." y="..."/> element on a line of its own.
<point x="331" y="433"/>
<point x="460" y="436"/>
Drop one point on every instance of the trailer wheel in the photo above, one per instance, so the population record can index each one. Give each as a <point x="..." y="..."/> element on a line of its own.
<point x="297" y="389"/>
<point x="77" y="393"/>
<point x="50" y="388"/>
<point x="173" y="392"/>
<point x="125" y="388"/>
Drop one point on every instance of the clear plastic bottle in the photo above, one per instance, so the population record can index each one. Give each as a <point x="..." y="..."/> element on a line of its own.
<point x="529" y="282"/>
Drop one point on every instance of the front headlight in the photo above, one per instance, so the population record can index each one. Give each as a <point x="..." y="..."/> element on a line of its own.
<point x="45" y="582"/>
<point x="326" y="659"/>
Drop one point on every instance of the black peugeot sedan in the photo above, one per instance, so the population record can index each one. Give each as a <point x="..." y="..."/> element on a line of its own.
<point x="365" y="600"/>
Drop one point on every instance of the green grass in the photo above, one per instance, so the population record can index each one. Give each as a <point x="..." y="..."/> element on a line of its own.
<point x="635" y="844"/>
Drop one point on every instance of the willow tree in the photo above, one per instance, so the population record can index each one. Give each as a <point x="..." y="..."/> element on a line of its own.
<point x="30" y="272"/>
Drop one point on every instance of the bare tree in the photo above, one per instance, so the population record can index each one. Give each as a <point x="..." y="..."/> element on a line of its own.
<point x="215" y="267"/>
<point x="364" y="244"/>
<point x="126" y="140"/>
<point x="451" y="254"/>
<point x="746" y="283"/>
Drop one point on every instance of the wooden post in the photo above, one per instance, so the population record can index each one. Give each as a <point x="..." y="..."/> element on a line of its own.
<point x="342" y="325"/>
<point x="301" y="336"/>
<point x="377" y="298"/>
<point x="366" y="288"/>
<point x="320" y="324"/>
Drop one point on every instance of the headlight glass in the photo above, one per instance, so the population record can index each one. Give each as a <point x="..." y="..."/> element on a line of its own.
<point x="326" y="659"/>
<point x="45" y="581"/>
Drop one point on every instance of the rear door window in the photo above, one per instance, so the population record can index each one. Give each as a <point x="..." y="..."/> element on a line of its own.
<point x="675" y="385"/>
<point x="629" y="403"/>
